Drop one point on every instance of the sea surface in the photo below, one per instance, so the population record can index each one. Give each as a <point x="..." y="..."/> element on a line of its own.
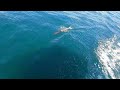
<point x="29" y="49"/>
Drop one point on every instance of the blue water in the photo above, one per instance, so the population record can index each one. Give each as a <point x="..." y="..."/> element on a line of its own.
<point x="30" y="50"/>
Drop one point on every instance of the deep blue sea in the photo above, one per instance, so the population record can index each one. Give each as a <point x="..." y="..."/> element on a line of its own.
<point x="29" y="49"/>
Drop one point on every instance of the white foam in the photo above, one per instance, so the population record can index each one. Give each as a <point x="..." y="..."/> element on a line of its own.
<point x="118" y="44"/>
<point x="109" y="56"/>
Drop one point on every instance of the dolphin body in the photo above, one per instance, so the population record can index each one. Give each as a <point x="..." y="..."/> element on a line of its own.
<point x="63" y="29"/>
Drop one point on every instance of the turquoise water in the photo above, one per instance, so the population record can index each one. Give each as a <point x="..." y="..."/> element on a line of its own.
<point x="29" y="48"/>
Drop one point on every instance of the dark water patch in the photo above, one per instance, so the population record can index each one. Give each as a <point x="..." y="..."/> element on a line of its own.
<point x="56" y="62"/>
<point x="53" y="62"/>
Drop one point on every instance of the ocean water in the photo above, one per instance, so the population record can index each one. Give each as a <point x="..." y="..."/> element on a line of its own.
<point x="29" y="49"/>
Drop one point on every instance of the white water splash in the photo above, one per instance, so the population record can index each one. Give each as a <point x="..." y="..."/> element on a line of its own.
<point x="108" y="52"/>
